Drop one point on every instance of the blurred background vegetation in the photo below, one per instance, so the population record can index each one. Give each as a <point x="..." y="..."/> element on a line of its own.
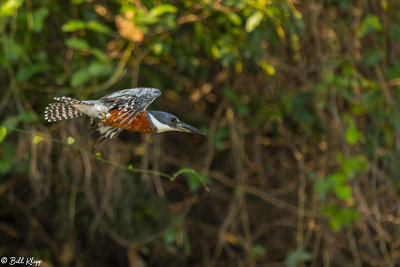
<point x="299" y="100"/>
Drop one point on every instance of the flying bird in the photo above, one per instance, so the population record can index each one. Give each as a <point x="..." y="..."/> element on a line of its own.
<point x="121" y="110"/>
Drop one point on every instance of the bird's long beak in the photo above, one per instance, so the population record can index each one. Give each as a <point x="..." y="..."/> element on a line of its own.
<point x="188" y="129"/>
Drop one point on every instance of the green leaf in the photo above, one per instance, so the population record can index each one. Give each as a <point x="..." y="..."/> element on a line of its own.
<point x="9" y="6"/>
<point x="15" y="52"/>
<point x="253" y="21"/>
<point x="338" y="177"/>
<point x="36" y="139"/>
<point x="78" y="44"/>
<point x="193" y="182"/>
<point x="70" y="140"/>
<point x="73" y="25"/>
<point x="11" y="122"/>
<point x="369" y="24"/>
<point x="3" y="132"/>
<point x="353" y="135"/>
<point x="340" y="217"/>
<point x="24" y="73"/>
<point x="145" y="20"/>
<point x="76" y="25"/>
<point x="27" y="116"/>
<point x="99" y="54"/>
<point x="170" y="236"/>
<point x="192" y="177"/>
<point x="234" y="18"/>
<point x="342" y="191"/>
<point x="38" y="18"/>
<point x="153" y="16"/>
<point x="97" y="69"/>
<point x="268" y="68"/>
<point x="349" y="215"/>
<point x="297" y="256"/>
<point x="352" y="166"/>
<point x="5" y="166"/>
<point x="98" y="27"/>
<point x="258" y="251"/>
<point x="162" y="9"/>
<point x="80" y="77"/>
<point x="335" y="222"/>
<point x="358" y="163"/>
<point x="157" y="48"/>
<point x="215" y="51"/>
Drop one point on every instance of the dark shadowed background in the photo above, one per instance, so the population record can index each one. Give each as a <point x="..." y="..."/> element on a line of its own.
<point x="299" y="99"/>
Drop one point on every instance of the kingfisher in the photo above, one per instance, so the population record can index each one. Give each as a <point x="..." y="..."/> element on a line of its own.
<point x="118" y="111"/>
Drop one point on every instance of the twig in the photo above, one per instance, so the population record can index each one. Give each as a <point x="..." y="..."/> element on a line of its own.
<point x="113" y="163"/>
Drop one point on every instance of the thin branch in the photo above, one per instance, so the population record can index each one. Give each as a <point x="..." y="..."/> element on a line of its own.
<point x="113" y="163"/>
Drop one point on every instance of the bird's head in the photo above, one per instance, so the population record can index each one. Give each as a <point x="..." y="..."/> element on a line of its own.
<point x="162" y="122"/>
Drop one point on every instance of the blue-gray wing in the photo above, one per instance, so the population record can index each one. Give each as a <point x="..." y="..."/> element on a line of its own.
<point x="128" y="103"/>
<point x="142" y="92"/>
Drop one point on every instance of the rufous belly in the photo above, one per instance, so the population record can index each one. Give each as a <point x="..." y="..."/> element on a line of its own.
<point x="140" y="124"/>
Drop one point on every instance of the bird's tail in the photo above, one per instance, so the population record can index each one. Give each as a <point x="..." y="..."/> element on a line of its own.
<point x="62" y="111"/>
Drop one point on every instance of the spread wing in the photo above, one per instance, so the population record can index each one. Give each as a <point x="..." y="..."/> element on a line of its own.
<point x="126" y="106"/>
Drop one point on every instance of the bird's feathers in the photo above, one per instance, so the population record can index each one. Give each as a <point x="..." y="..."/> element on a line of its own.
<point x="115" y="112"/>
<point x="103" y="133"/>
<point x="130" y="103"/>
<point x="62" y="111"/>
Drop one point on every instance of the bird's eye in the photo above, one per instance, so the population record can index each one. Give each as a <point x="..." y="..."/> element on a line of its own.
<point x="173" y="120"/>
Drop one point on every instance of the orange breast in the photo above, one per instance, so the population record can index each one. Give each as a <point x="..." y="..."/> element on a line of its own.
<point x="140" y="124"/>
